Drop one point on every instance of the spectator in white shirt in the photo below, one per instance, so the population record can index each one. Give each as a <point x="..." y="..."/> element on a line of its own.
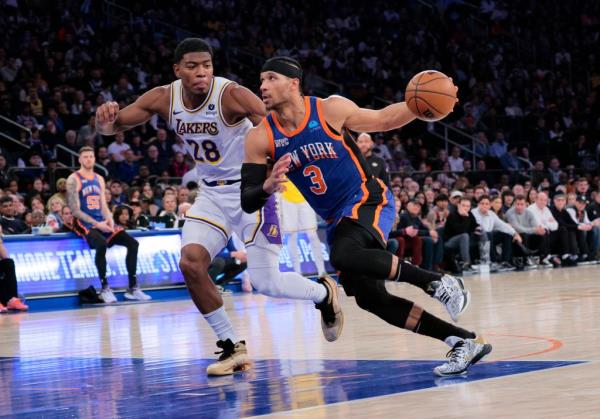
<point x="456" y="162"/>
<point x="497" y="231"/>
<point x="117" y="149"/>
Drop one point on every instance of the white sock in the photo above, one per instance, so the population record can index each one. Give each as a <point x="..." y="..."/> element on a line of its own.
<point x="219" y="321"/>
<point x="317" y="249"/>
<point x="293" y="249"/>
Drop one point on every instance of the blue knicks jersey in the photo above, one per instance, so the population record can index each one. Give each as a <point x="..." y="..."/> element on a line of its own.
<point x="90" y="195"/>
<point x="330" y="172"/>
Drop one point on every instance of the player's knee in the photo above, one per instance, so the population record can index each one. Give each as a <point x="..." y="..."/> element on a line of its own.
<point x="339" y="258"/>
<point x="192" y="265"/>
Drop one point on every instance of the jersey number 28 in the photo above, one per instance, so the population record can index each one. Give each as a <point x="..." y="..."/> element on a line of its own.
<point x="209" y="150"/>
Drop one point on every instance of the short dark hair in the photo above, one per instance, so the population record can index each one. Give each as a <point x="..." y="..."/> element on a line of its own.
<point x="5" y="199"/>
<point x="85" y="148"/>
<point x="440" y="198"/>
<point x="482" y="197"/>
<point x="520" y="198"/>
<point x="191" y="45"/>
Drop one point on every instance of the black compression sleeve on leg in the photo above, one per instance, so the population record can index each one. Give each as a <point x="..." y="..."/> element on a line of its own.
<point x="253" y="195"/>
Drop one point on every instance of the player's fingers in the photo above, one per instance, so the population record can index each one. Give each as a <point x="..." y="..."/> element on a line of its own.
<point x="114" y="109"/>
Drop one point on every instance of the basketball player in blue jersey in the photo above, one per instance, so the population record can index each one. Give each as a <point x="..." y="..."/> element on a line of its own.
<point x="302" y="135"/>
<point x="94" y="222"/>
<point x="212" y="115"/>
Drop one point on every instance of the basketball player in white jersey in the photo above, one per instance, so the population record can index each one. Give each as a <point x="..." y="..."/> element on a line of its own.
<point x="296" y="217"/>
<point x="212" y="115"/>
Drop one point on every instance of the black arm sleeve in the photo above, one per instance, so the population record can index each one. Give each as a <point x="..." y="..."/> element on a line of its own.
<point x="253" y="194"/>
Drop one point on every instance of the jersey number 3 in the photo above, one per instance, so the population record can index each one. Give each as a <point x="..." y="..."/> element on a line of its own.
<point x="316" y="177"/>
<point x="209" y="149"/>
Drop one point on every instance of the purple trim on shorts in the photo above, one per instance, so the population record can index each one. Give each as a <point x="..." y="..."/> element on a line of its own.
<point x="270" y="222"/>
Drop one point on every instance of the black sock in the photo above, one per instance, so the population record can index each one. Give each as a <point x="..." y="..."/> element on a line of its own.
<point x="104" y="282"/>
<point x="431" y="326"/>
<point x="415" y="276"/>
<point x="132" y="281"/>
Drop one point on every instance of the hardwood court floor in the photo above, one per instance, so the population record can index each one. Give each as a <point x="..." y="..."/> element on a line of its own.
<point x="148" y="360"/>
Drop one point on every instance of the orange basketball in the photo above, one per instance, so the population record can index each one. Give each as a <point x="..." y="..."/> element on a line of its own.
<point x="431" y="95"/>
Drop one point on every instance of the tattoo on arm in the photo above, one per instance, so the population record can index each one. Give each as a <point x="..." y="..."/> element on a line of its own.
<point x="73" y="202"/>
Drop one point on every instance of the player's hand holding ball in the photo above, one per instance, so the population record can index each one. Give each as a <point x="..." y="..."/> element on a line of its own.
<point x="431" y="95"/>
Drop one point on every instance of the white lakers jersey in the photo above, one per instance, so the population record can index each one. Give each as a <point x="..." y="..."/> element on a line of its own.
<point x="216" y="146"/>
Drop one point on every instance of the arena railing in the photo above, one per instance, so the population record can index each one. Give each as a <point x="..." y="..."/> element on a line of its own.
<point x="74" y="156"/>
<point x="8" y="127"/>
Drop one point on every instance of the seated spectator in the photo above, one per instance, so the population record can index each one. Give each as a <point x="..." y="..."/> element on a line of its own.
<point x="123" y="217"/>
<point x="117" y="197"/>
<point x="67" y="220"/>
<point x="459" y="233"/>
<point x="128" y="168"/>
<point x="456" y="162"/>
<point x="155" y="163"/>
<point x="180" y="166"/>
<point x="433" y="247"/>
<point x="118" y="148"/>
<point x="407" y="238"/>
<point x="534" y="235"/>
<point x="507" y="200"/>
<point x="439" y="213"/>
<point x="593" y="211"/>
<point x="567" y="229"/>
<point x="38" y="219"/>
<point x="497" y="232"/>
<point x="37" y="204"/>
<point x="169" y="205"/>
<point x="8" y="217"/>
<point x="9" y="294"/>
<point x="584" y="229"/>
<point x="455" y="198"/>
<point x="138" y="219"/>
<point x="496" y="206"/>
<point x="55" y="206"/>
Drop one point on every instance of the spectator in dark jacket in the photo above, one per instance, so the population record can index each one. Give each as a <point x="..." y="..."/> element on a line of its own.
<point x="566" y="222"/>
<point x="376" y="164"/>
<point x="8" y="217"/>
<point x="459" y="232"/>
<point x="433" y="247"/>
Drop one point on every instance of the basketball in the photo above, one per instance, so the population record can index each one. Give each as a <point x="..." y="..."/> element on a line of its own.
<point x="431" y="95"/>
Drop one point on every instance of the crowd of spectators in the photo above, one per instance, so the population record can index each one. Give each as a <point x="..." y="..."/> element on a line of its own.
<point x="529" y="80"/>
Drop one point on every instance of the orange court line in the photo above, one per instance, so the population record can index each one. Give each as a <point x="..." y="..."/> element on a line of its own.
<point x="555" y="344"/>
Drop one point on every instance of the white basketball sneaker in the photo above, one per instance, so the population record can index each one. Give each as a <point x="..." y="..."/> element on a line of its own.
<point x="466" y="352"/>
<point x="450" y="292"/>
<point x="108" y="296"/>
<point x="136" y="294"/>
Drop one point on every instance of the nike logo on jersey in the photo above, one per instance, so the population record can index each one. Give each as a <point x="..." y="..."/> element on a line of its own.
<point x="313" y="124"/>
<point x="177" y="112"/>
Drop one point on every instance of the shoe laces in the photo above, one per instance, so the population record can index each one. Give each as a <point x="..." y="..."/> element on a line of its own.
<point x="457" y="352"/>
<point x="228" y="349"/>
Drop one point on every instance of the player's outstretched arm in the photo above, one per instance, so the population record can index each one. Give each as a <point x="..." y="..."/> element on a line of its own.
<point x="343" y="113"/>
<point x="239" y="102"/>
<point x="257" y="187"/>
<point x="109" y="119"/>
